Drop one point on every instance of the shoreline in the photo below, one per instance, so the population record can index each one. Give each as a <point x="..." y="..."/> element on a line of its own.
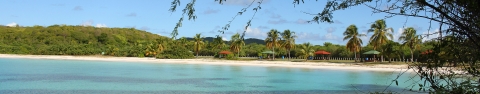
<point x="285" y="64"/>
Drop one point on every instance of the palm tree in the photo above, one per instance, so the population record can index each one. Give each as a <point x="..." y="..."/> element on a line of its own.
<point x="381" y="34"/>
<point x="306" y="50"/>
<point x="354" y="43"/>
<point x="150" y="50"/>
<point x="391" y="49"/>
<point x="198" y="43"/>
<point x="182" y="41"/>
<point x="218" y="42"/>
<point x="288" y="40"/>
<point x="272" y="40"/>
<point x="236" y="44"/>
<point x="159" y="49"/>
<point x="410" y="40"/>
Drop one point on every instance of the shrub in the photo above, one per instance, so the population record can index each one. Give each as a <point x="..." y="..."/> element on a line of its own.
<point x="177" y="53"/>
<point x="231" y="57"/>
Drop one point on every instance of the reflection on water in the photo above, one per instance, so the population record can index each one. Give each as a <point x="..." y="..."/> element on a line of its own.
<point x="61" y="76"/>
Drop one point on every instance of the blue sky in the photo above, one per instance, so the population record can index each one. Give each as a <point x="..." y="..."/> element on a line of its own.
<point x="153" y="16"/>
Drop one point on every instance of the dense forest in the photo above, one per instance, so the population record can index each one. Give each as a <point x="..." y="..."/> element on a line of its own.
<point x="130" y="42"/>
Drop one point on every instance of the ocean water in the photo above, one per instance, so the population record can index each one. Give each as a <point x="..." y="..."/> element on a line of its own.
<point x="77" y="76"/>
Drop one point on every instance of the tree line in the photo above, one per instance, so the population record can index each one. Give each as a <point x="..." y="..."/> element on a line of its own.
<point x="130" y="42"/>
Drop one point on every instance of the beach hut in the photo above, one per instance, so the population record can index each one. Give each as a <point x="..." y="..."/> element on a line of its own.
<point x="224" y="53"/>
<point x="322" y="52"/>
<point x="372" y="52"/>
<point x="268" y="52"/>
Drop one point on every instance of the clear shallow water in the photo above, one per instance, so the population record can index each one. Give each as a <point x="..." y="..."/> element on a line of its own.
<point x="76" y="76"/>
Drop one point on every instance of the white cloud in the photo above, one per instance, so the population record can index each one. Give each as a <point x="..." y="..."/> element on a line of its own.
<point x="397" y="34"/>
<point x="337" y="22"/>
<point x="279" y="21"/>
<point x="13" y="24"/>
<point x="87" y="23"/>
<point x="211" y="11"/>
<point x="225" y="39"/>
<point x="255" y="33"/>
<point x="101" y="25"/>
<point x="330" y="36"/>
<point x="307" y="36"/>
<point x="301" y="21"/>
<point x="145" y="28"/>
<point x="262" y="27"/>
<point x="330" y="29"/>
<point x="431" y="35"/>
<point x="275" y="16"/>
<point x="416" y="27"/>
<point x="365" y="39"/>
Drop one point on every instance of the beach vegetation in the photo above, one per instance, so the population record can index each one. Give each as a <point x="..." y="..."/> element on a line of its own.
<point x="410" y="40"/>
<point x="236" y="44"/>
<point x="288" y="41"/>
<point x="381" y="34"/>
<point x="179" y="52"/>
<point x="231" y="57"/>
<point x="306" y="50"/>
<point x="198" y="43"/>
<point x="273" y="40"/>
<point x="354" y="43"/>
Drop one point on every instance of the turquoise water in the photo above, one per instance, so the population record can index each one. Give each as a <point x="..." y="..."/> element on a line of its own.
<point x="76" y="76"/>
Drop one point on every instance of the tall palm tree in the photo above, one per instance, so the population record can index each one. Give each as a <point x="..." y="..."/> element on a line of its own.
<point x="410" y="39"/>
<point x="218" y="42"/>
<point x="306" y="50"/>
<point x="198" y="43"/>
<point x="273" y="40"/>
<point x="288" y="40"/>
<point x="354" y="43"/>
<point x="236" y="44"/>
<point x="381" y="34"/>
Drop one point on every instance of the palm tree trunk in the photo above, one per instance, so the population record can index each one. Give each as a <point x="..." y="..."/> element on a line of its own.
<point x="288" y="54"/>
<point x="197" y="50"/>
<point x="355" y="52"/>
<point x="411" y="53"/>
<point x="381" y="56"/>
<point x="273" y="55"/>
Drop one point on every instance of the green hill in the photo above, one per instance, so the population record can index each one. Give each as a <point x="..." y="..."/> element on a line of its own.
<point x="74" y="40"/>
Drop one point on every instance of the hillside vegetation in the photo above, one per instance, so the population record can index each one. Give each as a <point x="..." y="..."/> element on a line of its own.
<point x="75" y="40"/>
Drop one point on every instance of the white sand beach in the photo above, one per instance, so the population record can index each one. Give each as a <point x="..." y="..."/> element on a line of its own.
<point x="313" y="65"/>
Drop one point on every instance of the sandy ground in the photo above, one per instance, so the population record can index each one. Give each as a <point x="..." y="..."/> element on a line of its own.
<point x="313" y="65"/>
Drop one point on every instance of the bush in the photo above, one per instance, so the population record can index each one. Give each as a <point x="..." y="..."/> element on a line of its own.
<point x="177" y="53"/>
<point x="231" y="57"/>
